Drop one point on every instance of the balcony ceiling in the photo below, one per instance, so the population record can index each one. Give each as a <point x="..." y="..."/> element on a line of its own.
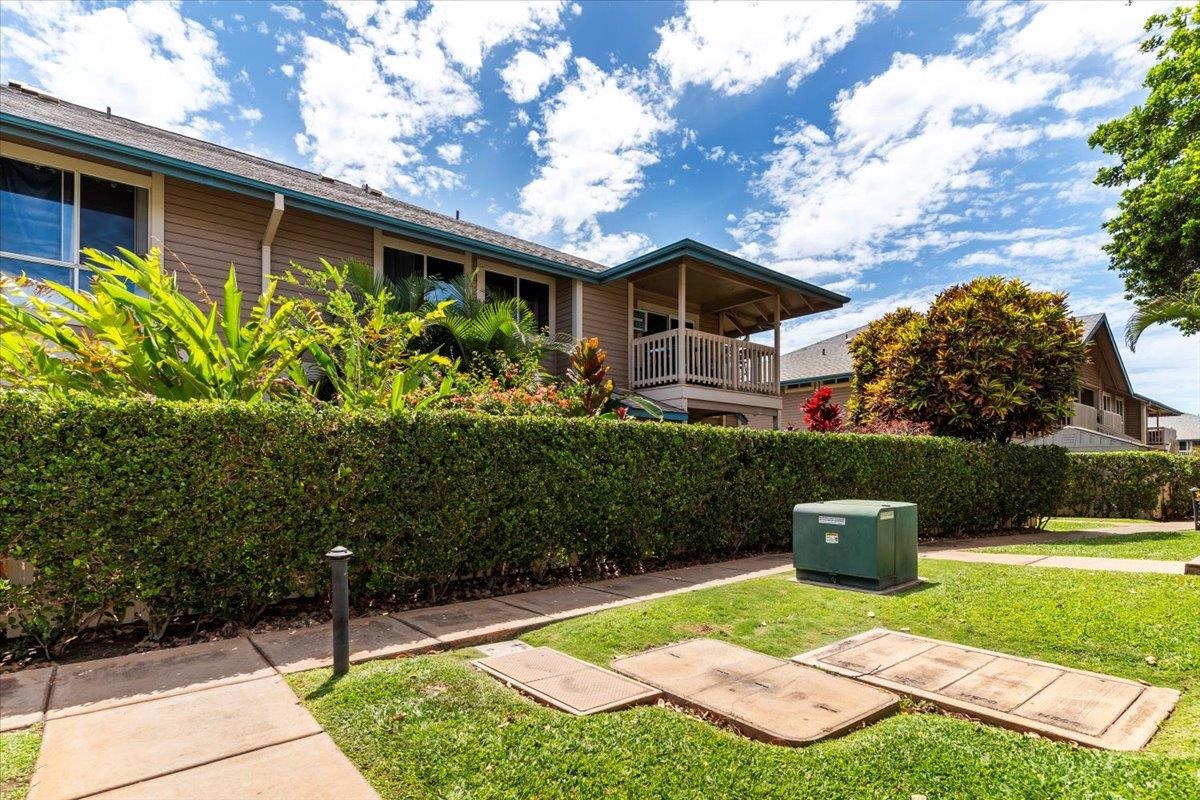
<point x="746" y="304"/>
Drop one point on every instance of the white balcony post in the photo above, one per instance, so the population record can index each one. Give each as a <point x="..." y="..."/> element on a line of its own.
<point x="681" y="333"/>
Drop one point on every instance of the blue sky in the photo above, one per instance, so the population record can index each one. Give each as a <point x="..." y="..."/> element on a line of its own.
<point x="883" y="150"/>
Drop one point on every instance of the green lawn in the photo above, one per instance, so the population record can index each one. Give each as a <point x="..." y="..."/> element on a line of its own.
<point x="432" y="727"/>
<point x="1168" y="546"/>
<point x="18" y="754"/>
<point x="1088" y="523"/>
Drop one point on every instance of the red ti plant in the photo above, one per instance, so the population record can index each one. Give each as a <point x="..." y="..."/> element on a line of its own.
<point x="820" y="414"/>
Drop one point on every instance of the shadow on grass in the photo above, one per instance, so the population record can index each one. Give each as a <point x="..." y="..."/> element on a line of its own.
<point x="327" y="686"/>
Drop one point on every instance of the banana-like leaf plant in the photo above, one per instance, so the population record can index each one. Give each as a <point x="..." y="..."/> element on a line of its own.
<point x="135" y="333"/>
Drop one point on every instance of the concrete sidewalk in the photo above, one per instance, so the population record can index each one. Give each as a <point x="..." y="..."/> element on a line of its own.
<point x="969" y="550"/>
<point x="217" y="719"/>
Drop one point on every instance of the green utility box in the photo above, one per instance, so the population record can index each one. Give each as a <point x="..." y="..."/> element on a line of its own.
<point x="864" y="544"/>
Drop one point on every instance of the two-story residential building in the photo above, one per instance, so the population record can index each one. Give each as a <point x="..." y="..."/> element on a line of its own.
<point x="675" y="322"/>
<point x="1107" y="414"/>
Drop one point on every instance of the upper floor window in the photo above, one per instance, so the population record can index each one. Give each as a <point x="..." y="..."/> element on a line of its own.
<point x="48" y="214"/>
<point x="1115" y="405"/>
<point x="535" y="293"/>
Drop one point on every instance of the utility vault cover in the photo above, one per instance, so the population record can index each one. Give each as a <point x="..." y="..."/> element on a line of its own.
<point x="764" y="697"/>
<point x="1018" y="693"/>
<point x="564" y="682"/>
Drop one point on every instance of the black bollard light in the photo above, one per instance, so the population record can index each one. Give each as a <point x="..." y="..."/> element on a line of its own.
<point x="339" y="601"/>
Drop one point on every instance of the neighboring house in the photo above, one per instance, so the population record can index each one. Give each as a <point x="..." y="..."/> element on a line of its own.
<point x="1107" y="414"/>
<point x="803" y="371"/>
<point x="73" y="177"/>
<point x="1186" y="428"/>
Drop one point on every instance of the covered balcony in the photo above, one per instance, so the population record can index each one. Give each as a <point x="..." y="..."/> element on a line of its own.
<point x="704" y="330"/>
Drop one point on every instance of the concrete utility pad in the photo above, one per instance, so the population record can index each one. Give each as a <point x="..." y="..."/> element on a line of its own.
<point x="370" y="637"/>
<point x="764" y="697"/>
<point x="311" y="768"/>
<point x="564" y="682"/>
<point x="23" y="697"/>
<point x="1019" y="693"/>
<point x="463" y="624"/>
<point x="110" y="682"/>
<point x="86" y="754"/>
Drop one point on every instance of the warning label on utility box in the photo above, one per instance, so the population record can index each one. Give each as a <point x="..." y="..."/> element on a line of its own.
<point x="886" y="514"/>
<point x="831" y="520"/>
<point x="831" y="537"/>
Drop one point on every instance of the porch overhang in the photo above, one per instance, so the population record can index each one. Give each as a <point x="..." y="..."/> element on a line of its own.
<point x="749" y="285"/>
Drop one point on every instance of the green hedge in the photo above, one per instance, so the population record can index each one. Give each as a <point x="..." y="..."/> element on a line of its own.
<point x="1131" y="484"/>
<point x="225" y="508"/>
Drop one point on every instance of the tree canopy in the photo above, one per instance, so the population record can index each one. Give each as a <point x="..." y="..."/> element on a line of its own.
<point x="991" y="360"/>
<point x="1155" y="236"/>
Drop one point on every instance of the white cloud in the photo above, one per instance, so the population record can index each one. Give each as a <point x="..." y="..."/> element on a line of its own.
<point x="528" y="72"/>
<point x="922" y="136"/>
<point x="288" y="70"/>
<point x="401" y="72"/>
<point x="145" y="60"/>
<point x="450" y="153"/>
<point x="589" y="169"/>
<point x="806" y="330"/>
<point x="289" y="12"/>
<point x="607" y="248"/>
<point x="251" y="115"/>
<point x="735" y="47"/>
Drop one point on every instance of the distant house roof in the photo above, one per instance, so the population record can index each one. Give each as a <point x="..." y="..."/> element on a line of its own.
<point x="826" y="360"/>
<point x="1187" y="426"/>
<point x="34" y="116"/>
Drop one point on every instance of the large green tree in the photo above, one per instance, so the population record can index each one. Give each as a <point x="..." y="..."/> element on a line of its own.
<point x="1155" y="236"/>
<point x="991" y="360"/>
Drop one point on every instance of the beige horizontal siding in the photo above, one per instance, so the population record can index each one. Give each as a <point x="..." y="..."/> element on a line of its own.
<point x="205" y="230"/>
<point x="793" y="403"/>
<point x="563" y="309"/>
<point x="606" y="316"/>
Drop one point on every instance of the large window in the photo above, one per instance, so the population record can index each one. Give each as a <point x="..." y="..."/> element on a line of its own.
<point x="399" y="265"/>
<point x="48" y="214"/>
<point x="535" y="293"/>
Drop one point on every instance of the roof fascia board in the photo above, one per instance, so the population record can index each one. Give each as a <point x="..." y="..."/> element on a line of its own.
<point x="60" y="137"/>
<point x="702" y="252"/>
<point x="838" y="376"/>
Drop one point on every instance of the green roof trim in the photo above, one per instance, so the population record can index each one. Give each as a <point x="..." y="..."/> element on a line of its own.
<point x="207" y="176"/>
<point x="702" y="252"/>
<point x="836" y="377"/>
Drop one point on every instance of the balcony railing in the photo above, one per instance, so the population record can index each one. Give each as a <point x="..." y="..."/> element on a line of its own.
<point x="1165" y="438"/>
<point x="1093" y="419"/>
<point x="710" y="360"/>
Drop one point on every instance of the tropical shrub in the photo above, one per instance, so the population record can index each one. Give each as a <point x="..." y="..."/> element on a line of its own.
<point x="991" y="360"/>
<point x="363" y="350"/>
<point x="221" y="508"/>
<point x="821" y="415"/>
<point x="136" y="333"/>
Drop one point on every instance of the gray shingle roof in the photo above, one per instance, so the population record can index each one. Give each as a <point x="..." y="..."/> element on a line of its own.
<point x="827" y="358"/>
<point x="126" y="132"/>
<point x="1090" y="323"/>
<point x="1187" y="426"/>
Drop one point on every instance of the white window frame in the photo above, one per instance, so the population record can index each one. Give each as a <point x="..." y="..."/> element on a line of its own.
<point x="153" y="183"/>
<point x="486" y="266"/>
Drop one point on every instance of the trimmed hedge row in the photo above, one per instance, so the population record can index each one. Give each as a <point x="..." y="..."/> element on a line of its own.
<point x="224" y="508"/>
<point x="1131" y="484"/>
